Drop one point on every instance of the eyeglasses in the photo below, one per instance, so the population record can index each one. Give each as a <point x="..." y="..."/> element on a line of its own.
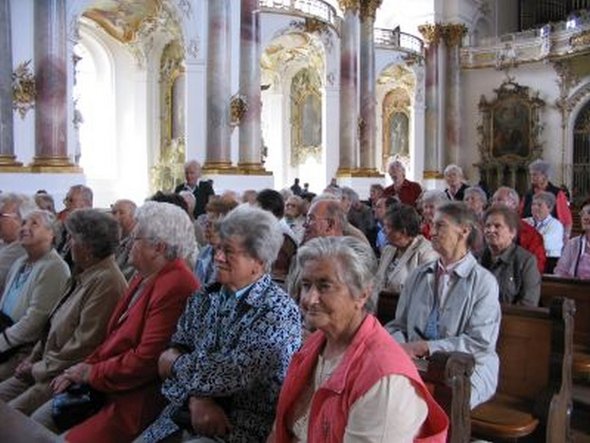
<point x="228" y="252"/>
<point x="8" y="215"/>
<point x="312" y="219"/>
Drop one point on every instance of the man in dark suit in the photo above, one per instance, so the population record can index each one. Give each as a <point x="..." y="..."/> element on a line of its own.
<point x="201" y="189"/>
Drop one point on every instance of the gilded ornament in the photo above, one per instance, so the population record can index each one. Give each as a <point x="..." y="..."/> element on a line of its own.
<point x="368" y="8"/>
<point x="431" y="33"/>
<point x="238" y="108"/>
<point x="168" y="172"/>
<point x="454" y="33"/>
<point x="349" y="5"/>
<point x="580" y="40"/>
<point x="23" y="88"/>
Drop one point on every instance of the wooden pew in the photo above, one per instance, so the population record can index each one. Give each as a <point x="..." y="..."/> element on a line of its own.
<point x="579" y="291"/>
<point x="534" y="395"/>
<point x="16" y="427"/>
<point x="447" y="375"/>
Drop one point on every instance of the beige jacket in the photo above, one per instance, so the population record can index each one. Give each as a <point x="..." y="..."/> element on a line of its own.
<point x="37" y="298"/>
<point x="418" y="253"/>
<point x="79" y="321"/>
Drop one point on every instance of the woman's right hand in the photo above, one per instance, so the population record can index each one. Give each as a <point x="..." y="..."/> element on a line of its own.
<point x="60" y="383"/>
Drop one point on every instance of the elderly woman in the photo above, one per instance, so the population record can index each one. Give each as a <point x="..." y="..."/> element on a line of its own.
<point x="230" y="352"/>
<point x="476" y="199"/>
<point x="548" y="226"/>
<point x="406" y="251"/>
<point x="125" y="366"/>
<point x="429" y="201"/>
<point x="575" y="259"/>
<point x="456" y="185"/>
<point x="452" y="304"/>
<point x="295" y="209"/>
<point x="515" y="268"/>
<point x="350" y="381"/>
<point x="540" y="171"/>
<point x="77" y="324"/>
<point x="34" y="284"/>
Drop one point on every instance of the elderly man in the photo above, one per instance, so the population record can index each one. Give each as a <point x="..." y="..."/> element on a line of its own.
<point x="528" y="237"/>
<point x="13" y="208"/>
<point x="407" y="191"/>
<point x="124" y="212"/>
<point x="201" y="189"/>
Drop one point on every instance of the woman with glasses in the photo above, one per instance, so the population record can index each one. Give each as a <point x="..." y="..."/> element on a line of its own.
<point x="575" y="259"/>
<point x="124" y="366"/>
<point x="78" y="322"/>
<point x="230" y="352"/>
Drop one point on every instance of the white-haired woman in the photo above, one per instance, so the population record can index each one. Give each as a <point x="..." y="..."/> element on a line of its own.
<point x="350" y="381"/>
<point x="428" y="203"/>
<point x="34" y="284"/>
<point x="456" y="185"/>
<point x="540" y="171"/>
<point x="548" y="226"/>
<point x="125" y="366"/>
<point x="233" y="343"/>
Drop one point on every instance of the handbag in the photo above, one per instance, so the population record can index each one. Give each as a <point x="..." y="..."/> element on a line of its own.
<point x="5" y="323"/>
<point x="76" y="404"/>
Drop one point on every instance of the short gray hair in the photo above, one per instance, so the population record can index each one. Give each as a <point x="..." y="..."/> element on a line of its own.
<point x="49" y="221"/>
<point x="476" y="190"/>
<point x="433" y="196"/>
<point x="453" y="168"/>
<point x="192" y="163"/>
<point x="396" y="164"/>
<point x="462" y="215"/>
<point x="541" y="166"/>
<point x="350" y="194"/>
<point x="96" y="229"/>
<point x="511" y="193"/>
<point x="24" y="204"/>
<point x="546" y="197"/>
<point x="333" y="209"/>
<point x="170" y="225"/>
<point x="258" y="231"/>
<point x="85" y="192"/>
<point x="356" y="258"/>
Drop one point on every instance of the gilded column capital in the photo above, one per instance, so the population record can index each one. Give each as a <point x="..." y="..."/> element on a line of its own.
<point x="368" y="8"/>
<point x="453" y="34"/>
<point x="349" y="5"/>
<point x="431" y="33"/>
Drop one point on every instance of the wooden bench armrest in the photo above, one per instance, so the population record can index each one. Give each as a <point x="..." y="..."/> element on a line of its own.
<point x="449" y="374"/>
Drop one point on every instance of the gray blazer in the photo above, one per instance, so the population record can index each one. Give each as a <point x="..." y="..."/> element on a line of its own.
<point x="469" y="319"/>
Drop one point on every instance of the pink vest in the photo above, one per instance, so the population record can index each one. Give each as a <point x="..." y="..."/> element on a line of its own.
<point x="372" y="355"/>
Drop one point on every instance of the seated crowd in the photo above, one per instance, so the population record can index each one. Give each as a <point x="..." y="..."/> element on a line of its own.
<point x="226" y="318"/>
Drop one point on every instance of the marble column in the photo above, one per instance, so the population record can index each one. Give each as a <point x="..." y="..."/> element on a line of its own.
<point x="51" y="149"/>
<point x="432" y="161"/>
<point x="7" y="157"/>
<point x="218" y="154"/>
<point x="250" y="130"/>
<point x="349" y="118"/>
<point x="453" y="35"/>
<point x="367" y="126"/>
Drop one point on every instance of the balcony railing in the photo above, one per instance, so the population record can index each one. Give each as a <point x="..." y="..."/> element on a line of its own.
<point x="394" y="38"/>
<point x="317" y="9"/>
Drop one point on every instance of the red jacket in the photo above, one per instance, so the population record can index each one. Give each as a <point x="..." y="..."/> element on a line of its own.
<point x="530" y="239"/>
<point x="125" y="365"/>
<point x="408" y="193"/>
<point x="371" y="355"/>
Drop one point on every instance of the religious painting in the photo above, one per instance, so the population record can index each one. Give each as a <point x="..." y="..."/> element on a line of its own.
<point x="396" y="125"/>
<point x="306" y="116"/>
<point x="509" y="135"/>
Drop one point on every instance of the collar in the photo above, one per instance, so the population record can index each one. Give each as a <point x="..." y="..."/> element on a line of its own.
<point x="506" y="256"/>
<point x="461" y="268"/>
<point x="88" y="273"/>
<point x="255" y="293"/>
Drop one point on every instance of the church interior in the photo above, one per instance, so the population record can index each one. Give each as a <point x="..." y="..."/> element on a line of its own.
<point x="117" y="94"/>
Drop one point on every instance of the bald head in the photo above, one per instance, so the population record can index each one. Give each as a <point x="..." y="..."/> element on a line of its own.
<point x="124" y="212"/>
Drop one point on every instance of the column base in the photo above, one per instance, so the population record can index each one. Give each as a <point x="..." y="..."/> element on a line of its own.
<point x="54" y="165"/>
<point x="432" y="175"/>
<point x="252" y="169"/>
<point x="358" y="172"/>
<point x="218" y="168"/>
<point x="8" y="163"/>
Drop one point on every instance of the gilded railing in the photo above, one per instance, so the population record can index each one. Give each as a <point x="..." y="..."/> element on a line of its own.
<point x="317" y="9"/>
